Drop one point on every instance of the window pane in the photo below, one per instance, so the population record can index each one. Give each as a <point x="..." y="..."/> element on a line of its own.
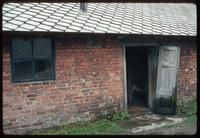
<point x="42" y="48"/>
<point x="21" y="48"/>
<point x="43" y="69"/>
<point x="22" y="71"/>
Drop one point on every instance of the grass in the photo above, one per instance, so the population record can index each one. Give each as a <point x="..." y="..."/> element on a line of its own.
<point x="189" y="109"/>
<point x="100" y="127"/>
<point x="192" y="119"/>
<point x="117" y="116"/>
<point x="107" y="125"/>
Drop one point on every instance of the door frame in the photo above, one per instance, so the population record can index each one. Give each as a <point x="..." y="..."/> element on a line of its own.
<point x="125" y="66"/>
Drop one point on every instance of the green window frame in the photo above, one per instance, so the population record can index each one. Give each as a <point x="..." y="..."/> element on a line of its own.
<point x="32" y="59"/>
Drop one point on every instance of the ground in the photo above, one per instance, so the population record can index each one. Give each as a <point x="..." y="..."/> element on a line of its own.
<point x="147" y="124"/>
<point x="159" y="125"/>
<point x="183" y="128"/>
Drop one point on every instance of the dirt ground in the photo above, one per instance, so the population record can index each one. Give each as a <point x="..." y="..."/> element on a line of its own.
<point x="154" y="124"/>
<point x="183" y="128"/>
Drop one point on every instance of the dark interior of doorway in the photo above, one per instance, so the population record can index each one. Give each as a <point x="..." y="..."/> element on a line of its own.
<point x="137" y="76"/>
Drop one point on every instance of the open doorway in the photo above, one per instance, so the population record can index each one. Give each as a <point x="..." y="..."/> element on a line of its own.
<point x="151" y="76"/>
<point x="137" y="77"/>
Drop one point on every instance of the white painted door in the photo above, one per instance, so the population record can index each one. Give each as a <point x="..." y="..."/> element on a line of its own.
<point x="165" y="97"/>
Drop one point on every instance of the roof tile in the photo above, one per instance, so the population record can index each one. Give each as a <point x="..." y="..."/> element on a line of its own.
<point x="15" y="12"/>
<point x="5" y="18"/>
<point x="102" y="28"/>
<point x="75" y="28"/>
<point x="24" y="7"/>
<point x="52" y="20"/>
<point x="44" y="27"/>
<point x="55" y="17"/>
<point x="15" y="22"/>
<point x="26" y="16"/>
<point x="39" y="29"/>
<point x="34" y="10"/>
<point x="27" y="26"/>
<point x="48" y="23"/>
<point x="41" y="16"/>
<point x="77" y="24"/>
<point x="63" y="24"/>
<point x="37" y="19"/>
<point x="60" y="27"/>
<point x="128" y="18"/>
<point x="33" y="22"/>
<point x="45" y="14"/>
<point x="70" y="30"/>
<point x="10" y="15"/>
<point x="48" y="11"/>
<point x="68" y="18"/>
<point x="55" y="30"/>
<point x="10" y="26"/>
<point x="92" y="21"/>
<point x="31" y="13"/>
<point x="90" y="24"/>
<point x="21" y="19"/>
<point x="89" y="28"/>
<point x="15" y="4"/>
<point x="22" y="29"/>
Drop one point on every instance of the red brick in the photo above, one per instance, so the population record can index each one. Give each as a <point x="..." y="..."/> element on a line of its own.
<point x="82" y="81"/>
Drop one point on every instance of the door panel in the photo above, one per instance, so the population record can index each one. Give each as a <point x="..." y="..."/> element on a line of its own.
<point x="168" y="61"/>
<point x="152" y="73"/>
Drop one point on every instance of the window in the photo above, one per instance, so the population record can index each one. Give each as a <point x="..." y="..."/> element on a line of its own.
<point x="32" y="59"/>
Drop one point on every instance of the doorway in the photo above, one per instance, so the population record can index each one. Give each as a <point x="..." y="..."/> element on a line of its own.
<point x="137" y="77"/>
<point x="151" y="76"/>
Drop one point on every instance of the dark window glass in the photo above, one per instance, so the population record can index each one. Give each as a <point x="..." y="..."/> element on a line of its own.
<point x="21" y="48"/>
<point x="32" y="59"/>
<point x="23" y="70"/>
<point x="43" y="69"/>
<point x="42" y="48"/>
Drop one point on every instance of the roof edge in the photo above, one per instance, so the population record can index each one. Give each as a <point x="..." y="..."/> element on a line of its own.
<point x="135" y="1"/>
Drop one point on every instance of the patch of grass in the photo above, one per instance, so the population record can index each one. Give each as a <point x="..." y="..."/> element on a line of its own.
<point x="192" y="119"/>
<point x="85" y="128"/>
<point x="188" y="108"/>
<point x="117" y="116"/>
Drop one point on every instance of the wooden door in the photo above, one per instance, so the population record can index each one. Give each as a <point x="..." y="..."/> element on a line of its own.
<point x="152" y="73"/>
<point x="165" y="97"/>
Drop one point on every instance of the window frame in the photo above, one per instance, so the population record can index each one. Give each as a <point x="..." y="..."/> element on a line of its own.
<point x="33" y="79"/>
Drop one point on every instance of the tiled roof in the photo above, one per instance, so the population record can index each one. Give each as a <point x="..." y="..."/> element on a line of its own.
<point x="123" y="18"/>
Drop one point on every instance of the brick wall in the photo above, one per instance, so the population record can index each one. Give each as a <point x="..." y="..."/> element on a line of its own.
<point x="89" y="83"/>
<point x="187" y="75"/>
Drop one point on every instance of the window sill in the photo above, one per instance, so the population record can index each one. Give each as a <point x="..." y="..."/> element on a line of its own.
<point x="39" y="82"/>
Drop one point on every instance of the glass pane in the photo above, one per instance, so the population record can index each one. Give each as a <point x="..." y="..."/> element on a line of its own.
<point x="21" y="48"/>
<point x="42" y="48"/>
<point x="43" y="69"/>
<point x="22" y="71"/>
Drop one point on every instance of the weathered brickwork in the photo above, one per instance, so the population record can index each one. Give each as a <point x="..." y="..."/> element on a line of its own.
<point x="187" y="75"/>
<point x="89" y="83"/>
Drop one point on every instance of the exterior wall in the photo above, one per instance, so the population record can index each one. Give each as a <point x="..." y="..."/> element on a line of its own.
<point x="89" y="83"/>
<point x="187" y="75"/>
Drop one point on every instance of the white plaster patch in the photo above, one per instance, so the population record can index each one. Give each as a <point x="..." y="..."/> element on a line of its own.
<point x="157" y="125"/>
